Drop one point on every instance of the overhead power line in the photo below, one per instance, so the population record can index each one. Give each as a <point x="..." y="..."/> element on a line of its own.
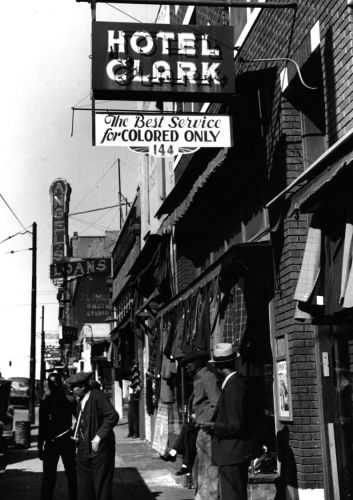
<point x="13" y="235"/>
<point x="102" y="208"/>
<point x="13" y="213"/>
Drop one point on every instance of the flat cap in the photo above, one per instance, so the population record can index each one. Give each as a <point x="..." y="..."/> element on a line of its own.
<point x="78" y="378"/>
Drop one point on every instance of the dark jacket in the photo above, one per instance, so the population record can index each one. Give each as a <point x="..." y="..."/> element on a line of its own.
<point x="235" y="434"/>
<point x="98" y="418"/>
<point x="55" y="416"/>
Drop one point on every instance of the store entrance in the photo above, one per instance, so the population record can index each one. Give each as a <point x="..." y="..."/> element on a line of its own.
<point x="336" y="346"/>
<point x="343" y="421"/>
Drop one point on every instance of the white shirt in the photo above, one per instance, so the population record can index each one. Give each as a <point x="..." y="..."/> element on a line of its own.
<point x="83" y="404"/>
<point x="226" y="379"/>
<point x="84" y="400"/>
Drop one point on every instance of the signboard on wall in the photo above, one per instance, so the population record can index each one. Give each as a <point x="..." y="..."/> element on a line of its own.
<point x="92" y="303"/>
<point x="60" y="191"/>
<point x="81" y="267"/>
<point x="163" y="135"/>
<point x="156" y="61"/>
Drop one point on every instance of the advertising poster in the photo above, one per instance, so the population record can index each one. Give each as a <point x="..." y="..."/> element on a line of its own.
<point x="160" y="438"/>
<point x="283" y="390"/>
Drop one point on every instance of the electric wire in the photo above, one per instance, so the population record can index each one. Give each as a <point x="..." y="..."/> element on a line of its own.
<point x="13" y="213"/>
<point x="95" y="184"/>
<point x="123" y="12"/>
<point x="16" y="251"/>
<point x="94" y="222"/>
<point x="88" y="223"/>
<point x="13" y="235"/>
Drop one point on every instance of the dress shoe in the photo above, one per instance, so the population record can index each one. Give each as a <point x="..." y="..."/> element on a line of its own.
<point x="182" y="471"/>
<point x="167" y="457"/>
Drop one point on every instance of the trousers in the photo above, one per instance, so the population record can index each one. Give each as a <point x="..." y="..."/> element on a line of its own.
<point x="95" y="474"/>
<point x="133" y="417"/>
<point x="233" y="481"/>
<point x="185" y="444"/>
<point x="64" y="447"/>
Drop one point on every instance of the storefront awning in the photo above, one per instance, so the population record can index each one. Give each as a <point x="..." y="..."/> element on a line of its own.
<point x="146" y="254"/>
<point x="243" y="254"/>
<point x="180" y="210"/>
<point x="127" y="327"/>
<point x="309" y="196"/>
<point x="301" y="193"/>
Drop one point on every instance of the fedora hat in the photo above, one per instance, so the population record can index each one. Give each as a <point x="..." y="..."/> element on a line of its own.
<point x="79" y="378"/>
<point x="224" y="352"/>
<point x="194" y="355"/>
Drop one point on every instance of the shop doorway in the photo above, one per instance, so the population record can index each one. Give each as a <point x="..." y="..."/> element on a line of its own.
<point x="337" y="371"/>
<point x="343" y="375"/>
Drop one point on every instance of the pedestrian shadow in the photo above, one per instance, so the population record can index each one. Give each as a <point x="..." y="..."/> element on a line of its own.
<point x="17" y="484"/>
<point x="287" y="483"/>
<point x="17" y="455"/>
<point x="129" y="484"/>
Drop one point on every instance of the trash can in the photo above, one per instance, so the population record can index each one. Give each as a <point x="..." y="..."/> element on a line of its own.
<point x="22" y="434"/>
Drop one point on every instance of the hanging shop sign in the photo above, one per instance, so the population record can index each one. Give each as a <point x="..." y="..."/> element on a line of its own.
<point x="60" y="191"/>
<point x="163" y="135"/>
<point x="80" y="268"/>
<point x="162" y="61"/>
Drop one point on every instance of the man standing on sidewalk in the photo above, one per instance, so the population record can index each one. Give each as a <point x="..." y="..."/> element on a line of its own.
<point x="95" y="439"/>
<point x="54" y="437"/>
<point x="205" y="397"/>
<point x="234" y="426"/>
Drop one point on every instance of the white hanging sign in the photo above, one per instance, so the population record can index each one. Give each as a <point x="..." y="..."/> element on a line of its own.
<point x="163" y="135"/>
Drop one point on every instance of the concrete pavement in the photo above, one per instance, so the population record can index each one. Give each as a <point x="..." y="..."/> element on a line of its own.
<point x="139" y="473"/>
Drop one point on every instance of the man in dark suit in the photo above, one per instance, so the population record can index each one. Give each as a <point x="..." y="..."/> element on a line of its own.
<point x="233" y="427"/>
<point x="54" y="437"/>
<point x="95" y="439"/>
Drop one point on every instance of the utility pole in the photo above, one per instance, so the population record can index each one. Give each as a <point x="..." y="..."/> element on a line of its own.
<point x="32" y="359"/>
<point x="120" y="208"/>
<point x="42" y="363"/>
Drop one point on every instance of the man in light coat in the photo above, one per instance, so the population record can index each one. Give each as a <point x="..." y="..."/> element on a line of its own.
<point x="233" y="427"/>
<point x="206" y="393"/>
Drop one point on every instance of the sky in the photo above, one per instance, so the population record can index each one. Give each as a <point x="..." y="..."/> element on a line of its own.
<point x="44" y="54"/>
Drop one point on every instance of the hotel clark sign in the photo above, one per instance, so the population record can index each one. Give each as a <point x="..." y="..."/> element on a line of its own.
<point x="162" y="62"/>
<point x="163" y="135"/>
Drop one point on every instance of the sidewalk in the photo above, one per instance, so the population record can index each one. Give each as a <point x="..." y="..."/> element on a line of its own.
<point x="139" y="473"/>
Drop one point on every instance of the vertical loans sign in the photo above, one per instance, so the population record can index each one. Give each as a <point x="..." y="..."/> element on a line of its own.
<point x="60" y="191"/>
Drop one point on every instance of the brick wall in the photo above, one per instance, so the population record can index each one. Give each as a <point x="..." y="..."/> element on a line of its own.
<point x="290" y="37"/>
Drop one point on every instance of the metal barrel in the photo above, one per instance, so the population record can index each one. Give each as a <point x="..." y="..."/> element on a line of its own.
<point x="23" y="434"/>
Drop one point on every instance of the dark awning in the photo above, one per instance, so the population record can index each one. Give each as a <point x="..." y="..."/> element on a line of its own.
<point x="305" y="191"/>
<point x="308" y="197"/>
<point x="125" y="328"/>
<point x="146" y="254"/>
<point x="242" y="254"/>
<point x="180" y="210"/>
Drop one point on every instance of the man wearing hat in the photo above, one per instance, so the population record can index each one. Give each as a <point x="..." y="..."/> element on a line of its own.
<point x="206" y="393"/>
<point x="234" y="426"/>
<point x="95" y="439"/>
<point x="56" y="411"/>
